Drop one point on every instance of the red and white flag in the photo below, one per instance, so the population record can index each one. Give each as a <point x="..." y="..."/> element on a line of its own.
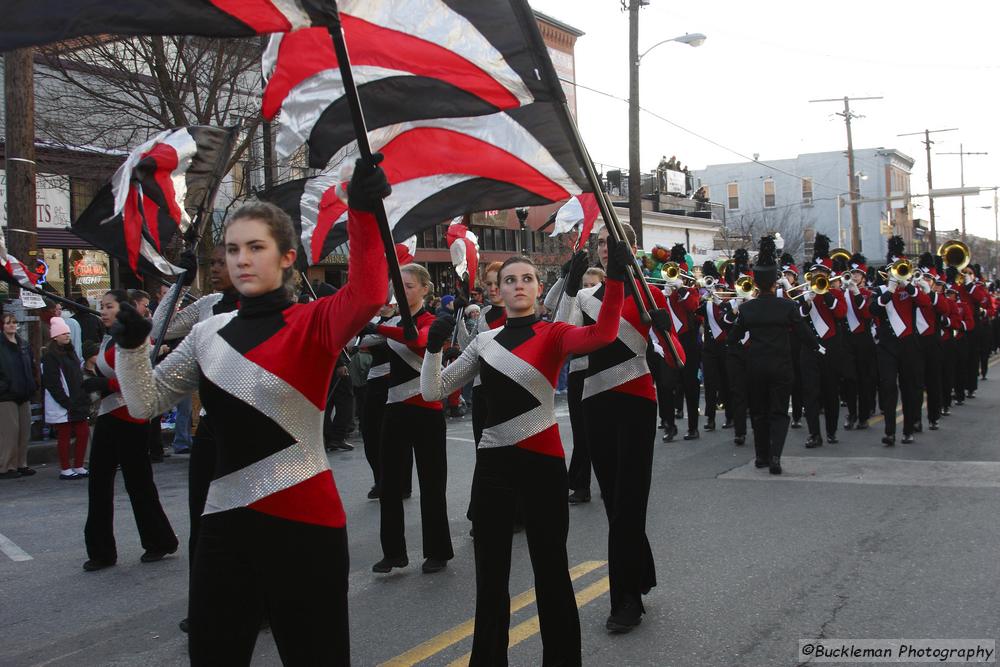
<point x="12" y="270"/>
<point x="464" y="248"/>
<point x="580" y="211"/>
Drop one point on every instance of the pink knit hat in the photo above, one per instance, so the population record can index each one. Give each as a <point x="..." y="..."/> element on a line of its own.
<point x="58" y="327"/>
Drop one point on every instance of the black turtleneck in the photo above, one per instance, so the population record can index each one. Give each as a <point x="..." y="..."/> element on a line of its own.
<point x="265" y="304"/>
<point x="517" y="322"/>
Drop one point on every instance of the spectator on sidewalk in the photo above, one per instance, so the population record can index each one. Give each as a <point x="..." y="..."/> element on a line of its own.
<point x="75" y="331"/>
<point x="18" y="382"/>
<point x="91" y="327"/>
<point x="182" y="427"/>
<point x="67" y="405"/>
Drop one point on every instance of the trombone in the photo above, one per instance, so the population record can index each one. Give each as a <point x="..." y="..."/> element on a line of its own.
<point x="672" y="271"/>
<point x="902" y="271"/>
<point x="818" y="283"/>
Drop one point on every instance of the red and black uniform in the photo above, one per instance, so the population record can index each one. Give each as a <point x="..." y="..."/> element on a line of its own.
<point x="713" y="359"/>
<point x="927" y="324"/>
<point x="947" y="324"/>
<point x="520" y="457"/>
<point x="273" y="534"/>
<point x="963" y="347"/>
<point x="820" y="371"/>
<point x="682" y="304"/>
<point x="737" y="351"/>
<point x="120" y="442"/>
<point x="859" y="353"/>
<point x="413" y="427"/>
<point x="619" y="404"/>
<point x="898" y="354"/>
<point x="980" y="341"/>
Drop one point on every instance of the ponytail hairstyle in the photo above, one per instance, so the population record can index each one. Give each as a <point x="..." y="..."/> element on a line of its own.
<point x="421" y="274"/>
<point x="280" y="227"/>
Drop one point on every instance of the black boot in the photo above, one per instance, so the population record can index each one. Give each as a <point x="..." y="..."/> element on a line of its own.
<point x="849" y="425"/>
<point x="626" y="617"/>
<point x="760" y="463"/>
<point x="908" y="438"/>
<point x="814" y="441"/>
<point x="670" y="433"/>
<point x="775" y="467"/>
<point x="933" y="425"/>
<point x="386" y="564"/>
<point x="692" y="435"/>
<point x="710" y="425"/>
<point x="739" y="440"/>
<point x="889" y="440"/>
<point x="832" y="438"/>
<point x="862" y="424"/>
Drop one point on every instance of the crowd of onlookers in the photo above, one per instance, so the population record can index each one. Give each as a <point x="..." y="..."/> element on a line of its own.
<point x="53" y="377"/>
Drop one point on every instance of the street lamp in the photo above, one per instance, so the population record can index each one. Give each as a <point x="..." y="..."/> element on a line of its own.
<point x="634" y="175"/>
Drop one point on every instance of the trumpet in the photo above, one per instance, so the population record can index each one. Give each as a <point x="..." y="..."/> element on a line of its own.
<point x="708" y="282"/>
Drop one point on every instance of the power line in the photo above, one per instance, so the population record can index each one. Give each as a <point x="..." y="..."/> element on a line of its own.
<point x="837" y="189"/>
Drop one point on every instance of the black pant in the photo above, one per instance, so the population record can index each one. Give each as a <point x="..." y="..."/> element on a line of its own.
<point x="736" y="369"/>
<point x="932" y="357"/>
<point x="118" y="443"/>
<point x="713" y="362"/>
<point x="972" y="359"/>
<point x="797" y="380"/>
<point x="154" y="440"/>
<point x="948" y="356"/>
<point x="985" y="337"/>
<point x="898" y="372"/>
<point x="376" y="392"/>
<point x="690" y="387"/>
<point x="421" y="431"/>
<point x="339" y="414"/>
<point x="859" y="389"/>
<point x="621" y="428"/>
<point x="201" y="470"/>
<point x="772" y="385"/>
<point x="504" y="478"/>
<point x="247" y="562"/>
<point x="579" y="463"/>
<point x="820" y="382"/>
<point x="665" y="379"/>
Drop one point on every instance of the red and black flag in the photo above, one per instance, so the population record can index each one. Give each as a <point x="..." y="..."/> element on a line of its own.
<point x="36" y="22"/>
<point x="411" y="60"/>
<point x="463" y="245"/>
<point x="156" y="194"/>
<point x="443" y="168"/>
<point x="12" y="270"/>
<point x="580" y="211"/>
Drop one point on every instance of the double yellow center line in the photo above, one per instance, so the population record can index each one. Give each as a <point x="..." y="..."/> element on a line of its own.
<point x="518" y="633"/>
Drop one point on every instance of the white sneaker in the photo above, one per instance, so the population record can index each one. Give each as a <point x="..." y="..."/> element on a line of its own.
<point x="82" y="472"/>
<point x="69" y="473"/>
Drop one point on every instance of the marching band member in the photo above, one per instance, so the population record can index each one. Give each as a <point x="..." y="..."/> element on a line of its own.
<point x="789" y="279"/>
<point x="819" y="366"/>
<point x="274" y="525"/>
<point x="928" y="317"/>
<point x="737" y="350"/>
<point x="895" y="305"/>
<point x="713" y="357"/>
<point x="682" y="304"/>
<point x="519" y="455"/>
<point x="770" y="323"/>
<point x="859" y="390"/>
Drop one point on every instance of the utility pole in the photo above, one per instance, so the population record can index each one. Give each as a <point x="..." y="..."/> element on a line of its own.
<point x="961" y="167"/>
<point x="851" y="178"/>
<point x="634" y="173"/>
<point x="19" y="153"/>
<point x="930" y="183"/>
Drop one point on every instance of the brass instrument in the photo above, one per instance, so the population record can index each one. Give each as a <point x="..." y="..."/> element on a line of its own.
<point x="840" y="253"/>
<point x="901" y="270"/>
<point x="818" y="282"/>
<point x="955" y="253"/>
<point x="672" y="271"/>
<point x="745" y="287"/>
<point x="708" y="282"/>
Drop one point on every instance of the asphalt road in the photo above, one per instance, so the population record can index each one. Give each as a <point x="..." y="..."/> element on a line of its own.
<point x="854" y="541"/>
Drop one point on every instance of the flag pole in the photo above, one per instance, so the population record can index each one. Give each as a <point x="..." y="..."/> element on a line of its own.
<point x="49" y="295"/>
<point x="197" y="230"/>
<point x="365" y="149"/>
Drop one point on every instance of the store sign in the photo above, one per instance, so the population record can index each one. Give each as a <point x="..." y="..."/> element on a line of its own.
<point x="87" y="271"/>
<point x="676" y="181"/>
<point x="51" y="200"/>
<point x="489" y="218"/>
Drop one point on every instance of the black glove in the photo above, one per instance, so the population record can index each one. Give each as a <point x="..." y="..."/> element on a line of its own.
<point x="96" y="384"/>
<point x="371" y="329"/>
<point x="564" y="271"/>
<point x="830" y="299"/>
<point x="619" y="257"/>
<point x="189" y="262"/>
<point x="130" y="328"/>
<point x="368" y="185"/>
<point x="578" y="265"/>
<point x="911" y="289"/>
<point x="439" y="332"/>
<point x="452" y="353"/>
<point x="459" y="305"/>
<point x="661" y="319"/>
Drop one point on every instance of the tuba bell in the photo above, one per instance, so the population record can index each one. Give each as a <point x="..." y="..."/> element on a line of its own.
<point x="901" y="270"/>
<point x="955" y="253"/>
<point x="840" y="253"/>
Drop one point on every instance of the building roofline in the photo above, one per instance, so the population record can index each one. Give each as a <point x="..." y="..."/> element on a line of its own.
<point x="576" y="32"/>
<point x="764" y="163"/>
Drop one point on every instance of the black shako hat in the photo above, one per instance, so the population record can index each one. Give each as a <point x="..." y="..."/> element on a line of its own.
<point x="765" y="270"/>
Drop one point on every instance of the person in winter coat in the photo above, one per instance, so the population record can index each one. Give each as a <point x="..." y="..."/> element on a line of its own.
<point x="67" y="405"/>
<point x="17" y="385"/>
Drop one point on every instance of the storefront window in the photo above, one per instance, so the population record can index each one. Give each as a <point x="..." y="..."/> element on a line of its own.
<point x="89" y="273"/>
<point x="56" y="275"/>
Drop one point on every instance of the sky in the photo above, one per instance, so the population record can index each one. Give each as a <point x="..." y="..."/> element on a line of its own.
<point x="748" y="86"/>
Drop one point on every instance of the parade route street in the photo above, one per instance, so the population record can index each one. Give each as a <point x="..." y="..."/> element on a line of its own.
<point x="855" y="541"/>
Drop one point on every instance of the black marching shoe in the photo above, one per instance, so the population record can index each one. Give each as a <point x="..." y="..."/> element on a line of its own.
<point x="26" y="471"/>
<point x="959" y="401"/>
<point x="338" y="446"/>
<point x="692" y="435"/>
<point x="797" y="424"/>
<point x="710" y="425"/>
<point x="578" y="497"/>
<point x="861" y="425"/>
<point x="386" y="564"/>
<point x="95" y="564"/>
<point x="889" y="440"/>
<point x="670" y="433"/>
<point x="918" y="427"/>
<point x="850" y="424"/>
<point x="740" y="440"/>
<point x="814" y="441"/>
<point x="970" y="394"/>
<point x="152" y="556"/>
<point x="908" y="438"/>
<point x="626" y="617"/>
<point x="932" y="425"/>
<point x="727" y="424"/>
<point x="946" y="411"/>
<point x="832" y="438"/>
<point x="432" y="565"/>
<point x="760" y="463"/>
<point x="775" y="467"/>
